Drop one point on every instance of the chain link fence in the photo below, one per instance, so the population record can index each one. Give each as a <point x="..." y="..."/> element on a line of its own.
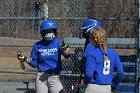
<point x="19" y="30"/>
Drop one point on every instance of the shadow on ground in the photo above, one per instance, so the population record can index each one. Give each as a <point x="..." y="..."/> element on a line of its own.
<point x="25" y="90"/>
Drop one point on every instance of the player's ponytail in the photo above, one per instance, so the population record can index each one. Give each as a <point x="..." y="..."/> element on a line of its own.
<point x="98" y="38"/>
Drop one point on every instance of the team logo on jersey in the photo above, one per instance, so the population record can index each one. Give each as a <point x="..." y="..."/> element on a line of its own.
<point x="48" y="52"/>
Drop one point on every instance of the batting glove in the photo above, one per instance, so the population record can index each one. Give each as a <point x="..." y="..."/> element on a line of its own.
<point x="63" y="46"/>
<point x="21" y="57"/>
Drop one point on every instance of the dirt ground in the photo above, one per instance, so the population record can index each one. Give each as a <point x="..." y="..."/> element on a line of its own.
<point x="10" y="63"/>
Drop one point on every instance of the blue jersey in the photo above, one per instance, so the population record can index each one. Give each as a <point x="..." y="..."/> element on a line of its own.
<point x="94" y="67"/>
<point x="46" y="56"/>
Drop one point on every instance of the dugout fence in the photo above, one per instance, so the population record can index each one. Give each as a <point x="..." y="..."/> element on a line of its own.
<point x="19" y="30"/>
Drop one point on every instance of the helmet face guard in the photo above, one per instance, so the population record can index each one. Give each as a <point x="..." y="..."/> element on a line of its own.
<point x="44" y="32"/>
<point x="49" y="36"/>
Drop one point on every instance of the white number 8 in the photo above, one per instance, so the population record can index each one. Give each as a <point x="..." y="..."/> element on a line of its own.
<point x="106" y="69"/>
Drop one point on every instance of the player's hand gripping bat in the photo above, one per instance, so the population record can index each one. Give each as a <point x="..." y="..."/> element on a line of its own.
<point x="21" y="58"/>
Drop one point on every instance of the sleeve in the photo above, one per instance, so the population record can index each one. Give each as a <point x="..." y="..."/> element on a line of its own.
<point x="83" y="60"/>
<point x="119" y="69"/>
<point x="90" y="67"/>
<point x="34" y="57"/>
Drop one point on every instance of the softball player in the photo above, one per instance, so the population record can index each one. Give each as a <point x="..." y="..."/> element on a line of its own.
<point x="46" y="57"/>
<point x="88" y="25"/>
<point x="100" y="63"/>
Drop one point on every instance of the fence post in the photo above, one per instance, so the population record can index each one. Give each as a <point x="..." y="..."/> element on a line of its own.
<point x="44" y="9"/>
<point x="138" y="49"/>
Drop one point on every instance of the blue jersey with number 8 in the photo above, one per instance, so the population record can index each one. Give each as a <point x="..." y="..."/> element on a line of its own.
<point x="98" y="71"/>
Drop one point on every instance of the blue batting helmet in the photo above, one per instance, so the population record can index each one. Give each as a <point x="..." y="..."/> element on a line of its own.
<point x="90" y="24"/>
<point x="48" y="24"/>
